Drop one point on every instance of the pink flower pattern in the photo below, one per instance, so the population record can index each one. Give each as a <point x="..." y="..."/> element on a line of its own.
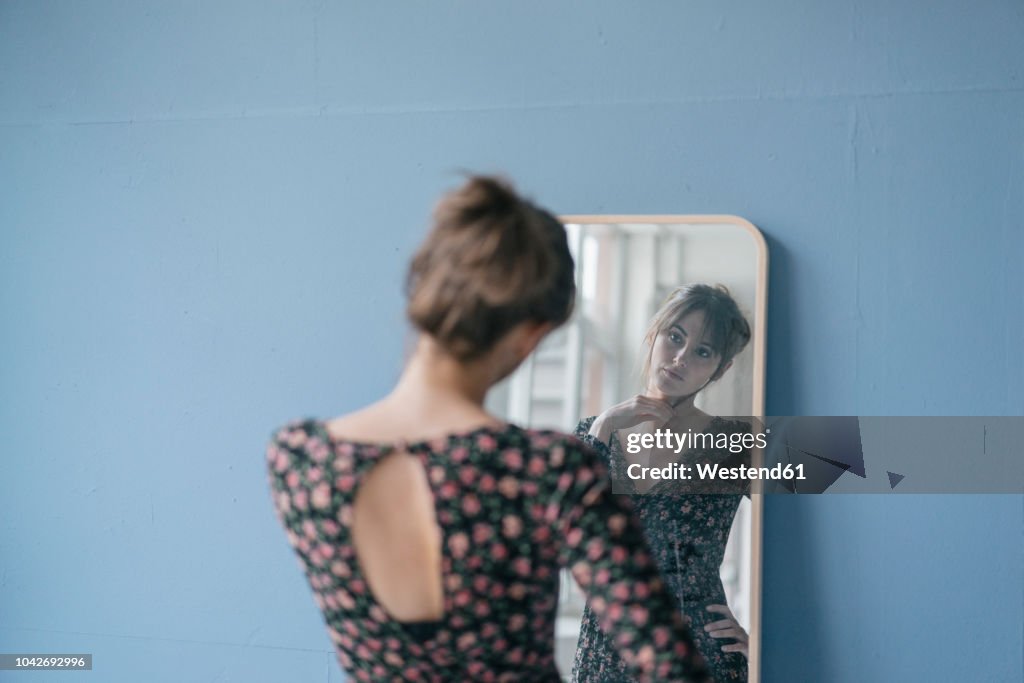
<point x="515" y="505"/>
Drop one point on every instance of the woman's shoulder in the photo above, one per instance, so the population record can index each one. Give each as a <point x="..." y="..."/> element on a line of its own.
<point x="311" y="438"/>
<point x="553" y="439"/>
<point x="561" y="451"/>
<point x="297" y="434"/>
<point x="297" y="440"/>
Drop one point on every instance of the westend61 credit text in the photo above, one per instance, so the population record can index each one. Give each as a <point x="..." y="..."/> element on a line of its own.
<point x="715" y="472"/>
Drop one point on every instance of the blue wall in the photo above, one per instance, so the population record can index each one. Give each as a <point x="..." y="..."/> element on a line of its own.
<point x="205" y="210"/>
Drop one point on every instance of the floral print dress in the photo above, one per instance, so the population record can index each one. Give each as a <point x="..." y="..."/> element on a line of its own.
<point x="514" y="506"/>
<point x="687" y="531"/>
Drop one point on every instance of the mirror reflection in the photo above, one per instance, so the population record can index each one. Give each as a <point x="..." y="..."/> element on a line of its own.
<point x="611" y="372"/>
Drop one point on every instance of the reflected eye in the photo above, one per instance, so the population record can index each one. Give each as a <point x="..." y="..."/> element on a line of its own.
<point x="675" y="337"/>
<point x="704" y="352"/>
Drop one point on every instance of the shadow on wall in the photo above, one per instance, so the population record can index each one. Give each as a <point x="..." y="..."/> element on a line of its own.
<point x="789" y="589"/>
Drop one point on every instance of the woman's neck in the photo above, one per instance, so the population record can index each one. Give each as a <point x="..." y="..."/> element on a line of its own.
<point x="433" y="377"/>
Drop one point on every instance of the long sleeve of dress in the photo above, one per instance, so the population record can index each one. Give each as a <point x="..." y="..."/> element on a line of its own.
<point x="610" y="452"/>
<point x="605" y="549"/>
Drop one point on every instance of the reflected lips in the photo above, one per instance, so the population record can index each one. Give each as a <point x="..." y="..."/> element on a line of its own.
<point x="672" y="374"/>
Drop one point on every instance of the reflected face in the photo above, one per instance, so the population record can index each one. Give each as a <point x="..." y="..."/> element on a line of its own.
<point x="682" y="359"/>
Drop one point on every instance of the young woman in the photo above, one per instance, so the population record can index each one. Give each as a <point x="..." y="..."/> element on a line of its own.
<point x="432" y="532"/>
<point x="691" y="342"/>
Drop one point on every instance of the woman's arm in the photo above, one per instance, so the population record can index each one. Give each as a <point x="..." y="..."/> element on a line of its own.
<point x="585" y="432"/>
<point x="610" y="452"/>
<point x="604" y="546"/>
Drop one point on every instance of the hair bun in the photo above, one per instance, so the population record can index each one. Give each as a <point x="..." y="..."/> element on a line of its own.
<point x="480" y="197"/>
<point x="492" y="260"/>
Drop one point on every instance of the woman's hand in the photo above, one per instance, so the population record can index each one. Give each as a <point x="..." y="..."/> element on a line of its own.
<point x="728" y="628"/>
<point x="630" y="413"/>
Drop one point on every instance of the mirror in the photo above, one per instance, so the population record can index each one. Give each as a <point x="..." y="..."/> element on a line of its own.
<point x="625" y="267"/>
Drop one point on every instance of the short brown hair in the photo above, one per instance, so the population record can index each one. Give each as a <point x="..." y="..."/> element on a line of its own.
<point x="491" y="261"/>
<point x="726" y="327"/>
